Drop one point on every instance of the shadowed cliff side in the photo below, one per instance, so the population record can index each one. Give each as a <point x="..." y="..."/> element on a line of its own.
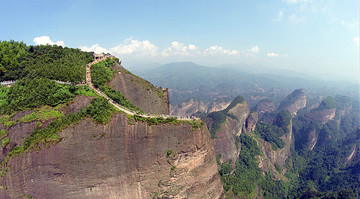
<point x="118" y="160"/>
<point x="140" y="92"/>
<point x="228" y="124"/>
<point x="294" y="102"/>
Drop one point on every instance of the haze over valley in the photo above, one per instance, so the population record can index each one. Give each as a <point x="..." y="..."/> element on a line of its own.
<point x="180" y="99"/>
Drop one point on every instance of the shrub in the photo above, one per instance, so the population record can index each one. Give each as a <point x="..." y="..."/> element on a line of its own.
<point x="5" y="142"/>
<point x="168" y="153"/>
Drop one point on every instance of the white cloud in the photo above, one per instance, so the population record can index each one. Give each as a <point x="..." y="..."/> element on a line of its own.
<point x="130" y="46"/>
<point x="275" y="55"/>
<point x="44" y="40"/>
<point x="254" y="49"/>
<point x="94" y="48"/>
<point x="218" y="50"/>
<point x="272" y="55"/>
<point x="279" y="16"/>
<point x="356" y="40"/>
<point x="295" y="19"/>
<point x="181" y="49"/>
<point x="350" y="25"/>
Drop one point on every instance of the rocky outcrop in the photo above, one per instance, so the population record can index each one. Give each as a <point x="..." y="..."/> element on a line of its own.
<point x="118" y="160"/>
<point x="225" y="141"/>
<point x="251" y="122"/>
<point x="264" y="106"/>
<point x="294" y="102"/>
<point x="189" y="107"/>
<point x="236" y="115"/>
<point x="276" y="158"/>
<point x="192" y="106"/>
<point x="140" y="92"/>
<point x="323" y="115"/>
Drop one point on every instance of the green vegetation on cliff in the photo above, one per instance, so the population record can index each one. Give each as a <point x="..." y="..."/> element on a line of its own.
<point x="327" y="103"/>
<point x="99" y="109"/>
<point x="248" y="180"/>
<point x="53" y="62"/>
<point x="101" y="74"/>
<point x="32" y="93"/>
<point x="238" y="100"/>
<point x="291" y="99"/>
<point x="271" y="134"/>
<point x="196" y="124"/>
<point x="283" y="120"/>
<point x="219" y="117"/>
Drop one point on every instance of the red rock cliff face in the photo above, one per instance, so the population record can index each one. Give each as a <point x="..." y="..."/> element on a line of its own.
<point x="225" y="138"/>
<point x="272" y="157"/>
<point x="140" y="92"/>
<point x="294" y="102"/>
<point x="118" y="160"/>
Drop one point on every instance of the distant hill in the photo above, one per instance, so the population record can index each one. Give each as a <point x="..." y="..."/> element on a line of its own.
<point x="187" y="80"/>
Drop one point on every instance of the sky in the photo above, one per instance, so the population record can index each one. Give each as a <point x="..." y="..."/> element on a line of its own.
<point x="309" y="36"/>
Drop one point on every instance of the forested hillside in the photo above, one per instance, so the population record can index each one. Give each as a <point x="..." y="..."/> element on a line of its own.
<point x="323" y="160"/>
<point x="17" y="60"/>
<point x="67" y="141"/>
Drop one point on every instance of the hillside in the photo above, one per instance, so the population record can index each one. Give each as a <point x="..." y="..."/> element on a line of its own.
<point x="187" y="80"/>
<point x="288" y="154"/>
<point x="93" y="140"/>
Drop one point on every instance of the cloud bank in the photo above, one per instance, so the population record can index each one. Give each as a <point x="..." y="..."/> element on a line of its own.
<point x="356" y="40"/>
<point x="44" y="40"/>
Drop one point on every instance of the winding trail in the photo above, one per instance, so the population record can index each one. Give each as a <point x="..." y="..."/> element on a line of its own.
<point x="98" y="58"/>
<point x="118" y="106"/>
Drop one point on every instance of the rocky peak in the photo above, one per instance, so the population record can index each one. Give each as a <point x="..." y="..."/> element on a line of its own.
<point x="231" y="122"/>
<point x="140" y="92"/>
<point x="325" y="112"/>
<point x="294" y="101"/>
<point x="264" y="106"/>
<point x="239" y="109"/>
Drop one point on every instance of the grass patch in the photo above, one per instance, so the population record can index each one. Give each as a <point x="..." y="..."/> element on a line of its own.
<point x="43" y="114"/>
<point x="99" y="109"/>
<point x="157" y="120"/>
<point x="9" y="124"/>
<point x="3" y="133"/>
<point x="5" y="142"/>
<point x="168" y="153"/>
<point x="4" y="118"/>
<point x="85" y="90"/>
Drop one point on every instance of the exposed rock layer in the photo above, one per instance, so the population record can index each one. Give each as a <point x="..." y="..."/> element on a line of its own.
<point x="294" y="101"/>
<point x="192" y="106"/>
<point x="140" y="92"/>
<point x="118" y="160"/>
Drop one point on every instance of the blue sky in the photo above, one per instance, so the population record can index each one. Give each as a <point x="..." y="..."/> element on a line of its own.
<point x="312" y="36"/>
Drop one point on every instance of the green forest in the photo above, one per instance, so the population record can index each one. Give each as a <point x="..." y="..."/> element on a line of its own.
<point x="324" y="171"/>
<point x="101" y="74"/>
<point x="17" y="60"/>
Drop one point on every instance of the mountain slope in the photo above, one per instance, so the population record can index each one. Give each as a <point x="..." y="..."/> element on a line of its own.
<point x="72" y="143"/>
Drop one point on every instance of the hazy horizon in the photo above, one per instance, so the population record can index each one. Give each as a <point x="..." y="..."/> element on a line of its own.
<point x="306" y="36"/>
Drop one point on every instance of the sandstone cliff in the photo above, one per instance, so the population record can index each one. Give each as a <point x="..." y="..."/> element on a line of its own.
<point x="325" y="112"/>
<point x="264" y="106"/>
<point x="192" y="106"/>
<point x="140" y="92"/>
<point x="294" y="101"/>
<point x="118" y="160"/>
<point x="235" y="119"/>
<point x="276" y="158"/>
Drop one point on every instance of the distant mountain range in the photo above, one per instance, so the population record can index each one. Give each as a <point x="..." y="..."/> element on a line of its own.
<point x="232" y="80"/>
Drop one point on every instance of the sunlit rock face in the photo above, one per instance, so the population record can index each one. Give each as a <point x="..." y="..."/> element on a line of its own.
<point x="294" y="102"/>
<point x="118" y="160"/>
